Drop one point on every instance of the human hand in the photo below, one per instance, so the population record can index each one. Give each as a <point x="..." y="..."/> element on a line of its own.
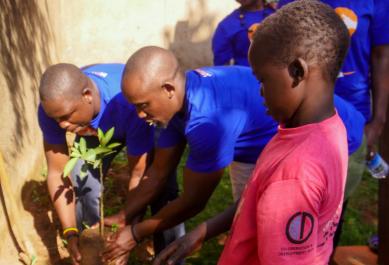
<point x="118" y="246"/>
<point x="72" y="245"/>
<point x="182" y="247"/>
<point x="119" y="219"/>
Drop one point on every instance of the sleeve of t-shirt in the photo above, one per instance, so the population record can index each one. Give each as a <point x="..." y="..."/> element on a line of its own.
<point x="380" y="25"/>
<point x="139" y="136"/>
<point x="52" y="132"/>
<point x="170" y="137"/>
<point x="212" y="141"/>
<point x="221" y="47"/>
<point x="287" y="223"/>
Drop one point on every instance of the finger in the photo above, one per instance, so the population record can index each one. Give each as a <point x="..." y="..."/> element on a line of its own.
<point x="113" y="254"/>
<point x="165" y="254"/>
<point x="111" y="238"/>
<point x="75" y="261"/>
<point x="74" y="252"/>
<point x="178" y="255"/>
<point x="122" y="260"/>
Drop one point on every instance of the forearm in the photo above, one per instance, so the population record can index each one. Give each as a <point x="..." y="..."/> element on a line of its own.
<point x="63" y="197"/>
<point x="220" y="223"/>
<point x="380" y="79"/>
<point x="173" y="213"/>
<point x="142" y="195"/>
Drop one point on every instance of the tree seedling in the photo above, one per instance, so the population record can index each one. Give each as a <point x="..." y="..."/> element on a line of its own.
<point x="92" y="156"/>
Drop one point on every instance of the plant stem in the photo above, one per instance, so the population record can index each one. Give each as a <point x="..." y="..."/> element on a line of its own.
<point x="101" y="201"/>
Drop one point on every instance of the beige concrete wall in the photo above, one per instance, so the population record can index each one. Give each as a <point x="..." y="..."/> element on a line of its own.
<point x="36" y="33"/>
<point x="101" y="31"/>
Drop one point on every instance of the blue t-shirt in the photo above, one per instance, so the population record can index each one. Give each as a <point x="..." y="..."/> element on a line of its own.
<point x="224" y="119"/>
<point x="231" y="38"/>
<point x="130" y="130"/>
<point x="107" y="78"/>
<point x="367" y="22"/>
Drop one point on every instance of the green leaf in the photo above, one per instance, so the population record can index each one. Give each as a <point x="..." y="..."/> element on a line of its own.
<point x="82" y="145"/>
<point x="100" y="134"/>
<point x="65" y="242"/>
<point x="114" y="228"/>
<point x="113" y="145"/>
<point x="74" y="152"/>
<point x="90" y="155"/>
<point x="96" y="164"/>
<point x="101" y="150"/>
<point x="108" y="136"/>
<point x="85" y="225"/>
<point x="69" y="166"/>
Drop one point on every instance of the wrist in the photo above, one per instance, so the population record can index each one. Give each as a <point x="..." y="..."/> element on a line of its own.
<point x="135" y="235"/>
<point x="70" y="232"/>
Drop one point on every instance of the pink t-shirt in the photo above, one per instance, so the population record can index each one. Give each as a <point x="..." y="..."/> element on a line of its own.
<point x="290" y="208"/>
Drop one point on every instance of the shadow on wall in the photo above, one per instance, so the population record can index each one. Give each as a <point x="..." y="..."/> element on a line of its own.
<point x="192" y="53"/>
<point x="25" y="51"/>
<point x="36" y="200"/>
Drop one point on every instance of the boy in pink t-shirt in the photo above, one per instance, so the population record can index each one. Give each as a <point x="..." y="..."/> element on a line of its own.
<point x="291" y="206"/>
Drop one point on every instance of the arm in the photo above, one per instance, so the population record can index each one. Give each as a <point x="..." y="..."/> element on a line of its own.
<point x="137" y="167"/>
<point x="166" y="159"/>
<point x="380" y="89"/>
<point x="61" y="192"/>
<point x="221" y="47"/>
<point x="198" y="187"/>
<point x="60" y="188"/>
<point x="193" y="241"/>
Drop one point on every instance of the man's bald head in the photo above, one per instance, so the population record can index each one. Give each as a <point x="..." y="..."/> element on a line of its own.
<point x="151" y="64"/>
<point x="153" y="82"/>
<point x="62" y="81"/>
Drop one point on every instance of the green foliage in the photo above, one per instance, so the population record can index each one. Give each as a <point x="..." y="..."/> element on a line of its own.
<point x="92" y="156"/>
<point x="114" y="228"/>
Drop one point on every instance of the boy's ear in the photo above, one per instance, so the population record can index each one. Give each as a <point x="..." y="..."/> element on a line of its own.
<point x="298" y="71"/>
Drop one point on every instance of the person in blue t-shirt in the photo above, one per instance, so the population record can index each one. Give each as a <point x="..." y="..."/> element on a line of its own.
<point x="363" y="75"/>
<point x="80" y="101"/>
<point x="219" y="113"/>
<point x="232" y="36"/>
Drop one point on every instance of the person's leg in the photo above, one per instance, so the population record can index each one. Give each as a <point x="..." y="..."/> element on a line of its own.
<point x="239" y="175"/>
<point x="87" y="189"/>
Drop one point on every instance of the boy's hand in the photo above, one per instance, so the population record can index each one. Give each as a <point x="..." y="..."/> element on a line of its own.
<point x="182" y="247"/>
<point x="119" y="245"/>
<point x="73" y="250"/>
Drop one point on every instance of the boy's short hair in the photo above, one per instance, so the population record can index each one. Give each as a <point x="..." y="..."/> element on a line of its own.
<point x="307" y="29"/>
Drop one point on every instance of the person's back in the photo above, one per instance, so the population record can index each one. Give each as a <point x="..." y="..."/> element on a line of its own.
<point x="291" y="206"/>
<point x="228" y="98"/>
